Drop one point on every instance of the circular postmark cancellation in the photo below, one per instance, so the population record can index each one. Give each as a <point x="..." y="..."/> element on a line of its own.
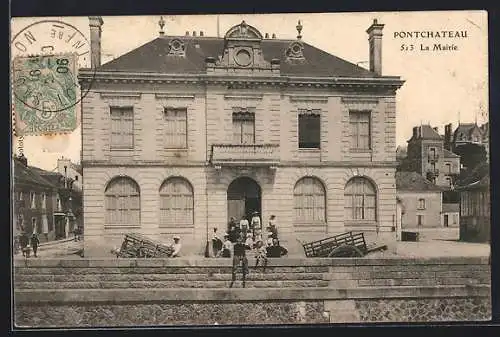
<point x="47" y="56"/>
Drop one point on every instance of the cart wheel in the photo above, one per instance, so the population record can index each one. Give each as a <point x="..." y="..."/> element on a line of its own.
<point x="346" y="251"/>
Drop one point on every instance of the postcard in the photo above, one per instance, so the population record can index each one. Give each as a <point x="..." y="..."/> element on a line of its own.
<point x="250" y="169"/>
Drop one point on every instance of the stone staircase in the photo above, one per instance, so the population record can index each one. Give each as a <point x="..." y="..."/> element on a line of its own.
<point x="73" y="277"/>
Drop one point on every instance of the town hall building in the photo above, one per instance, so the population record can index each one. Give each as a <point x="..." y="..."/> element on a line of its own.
<point x="185" y="132"/>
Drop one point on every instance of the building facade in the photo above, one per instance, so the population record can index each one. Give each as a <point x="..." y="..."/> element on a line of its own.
<point x="475" y="206"/>
<point x="34" y="202"/>
<point x="185" y="132"/>
<point x="451" y="215"/>
<point x="421" y="201"/>
<point x="467" y="133"/>
<point x="427" y="155"/>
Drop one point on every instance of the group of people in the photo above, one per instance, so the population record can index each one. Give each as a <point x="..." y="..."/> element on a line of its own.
<point x="245" y="236"/>
<point x="26" y="243"/>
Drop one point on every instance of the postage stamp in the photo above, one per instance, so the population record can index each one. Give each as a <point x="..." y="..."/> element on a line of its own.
<point x="45" y="88"/>
<point x="295" y="168"/>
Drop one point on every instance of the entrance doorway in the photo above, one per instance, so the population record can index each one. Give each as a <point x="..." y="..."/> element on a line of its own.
<point x="243" y="198"/>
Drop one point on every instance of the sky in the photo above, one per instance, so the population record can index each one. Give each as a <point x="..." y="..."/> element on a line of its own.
<point x="441" y="86"/>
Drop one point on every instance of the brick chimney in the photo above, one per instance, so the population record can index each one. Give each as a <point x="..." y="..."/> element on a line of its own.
<point x="375" y="44"/>
<point x="95" y="23"/>
<point x="447" y="136"/>
<point x="415" y="132"/>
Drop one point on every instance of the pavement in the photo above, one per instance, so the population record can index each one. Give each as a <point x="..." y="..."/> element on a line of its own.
<point x="434" y="242"/>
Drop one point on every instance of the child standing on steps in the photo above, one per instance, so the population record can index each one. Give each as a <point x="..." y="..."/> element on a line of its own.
<point x="260" y="257"/>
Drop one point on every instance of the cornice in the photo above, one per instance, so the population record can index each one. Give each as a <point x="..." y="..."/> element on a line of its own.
<point x="88" y="76"/>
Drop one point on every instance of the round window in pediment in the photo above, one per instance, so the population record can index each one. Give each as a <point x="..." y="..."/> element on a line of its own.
<point x="243" y="57"/>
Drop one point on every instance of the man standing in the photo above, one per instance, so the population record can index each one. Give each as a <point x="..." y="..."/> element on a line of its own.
<point x="255" y="223"/>
<point x="34" y="243"/>
<point x="239" y="258"/>
<point x="176" y="246"/>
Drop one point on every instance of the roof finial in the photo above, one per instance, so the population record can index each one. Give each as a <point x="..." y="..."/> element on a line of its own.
<point x="299" y="30"/>
<point x="161" y="23"/>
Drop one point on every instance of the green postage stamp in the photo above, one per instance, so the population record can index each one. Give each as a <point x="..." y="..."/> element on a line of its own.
<point x="45" y="89"/>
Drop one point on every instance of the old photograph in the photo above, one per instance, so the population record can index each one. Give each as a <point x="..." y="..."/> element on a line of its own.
<point x="250" y="169"/>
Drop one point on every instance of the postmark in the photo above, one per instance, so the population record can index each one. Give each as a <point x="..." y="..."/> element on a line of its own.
<point x="45" y="91"/>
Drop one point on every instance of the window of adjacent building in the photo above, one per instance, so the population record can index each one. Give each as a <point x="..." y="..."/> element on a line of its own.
<point x="59" y="206"/>
<point x="455" y="219"/>
<point x="421" y="204"/>
<point x="243" y="128"/>
<point x="45" y="224"/>
<point x="309" y="129"/>
<point x="360" y="130"/>
<point x="32" y="200"/>
<point x="176" y="203"/>
<point x="122" y="202"/>
<point x="448" y="167"/>
<point x="448" y="181"/>
<point x="122" y="128"/>
<point x="360" y="200"/>
<point x="20" y="222"/>
<point x="176" y="128"/>
<point x="420" y="220"/>
<point x="309" y="200"/>
<point x="21" y="196"/>
<point x="44" y="201"/>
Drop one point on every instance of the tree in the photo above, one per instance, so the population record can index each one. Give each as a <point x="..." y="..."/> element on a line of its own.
<point x="471" y="155"/>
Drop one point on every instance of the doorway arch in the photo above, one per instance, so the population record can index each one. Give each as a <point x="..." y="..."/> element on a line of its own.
<point x="244" y="196"/>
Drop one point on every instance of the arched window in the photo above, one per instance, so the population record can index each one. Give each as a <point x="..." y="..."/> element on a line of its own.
<point x="122" y="202"/>
<point x="176" y="203"/>
<point x="309" y="198"/>
<point x="360" y="200"/>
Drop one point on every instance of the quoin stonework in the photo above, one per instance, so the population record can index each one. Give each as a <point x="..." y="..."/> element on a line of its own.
<point x="185" y="132"/>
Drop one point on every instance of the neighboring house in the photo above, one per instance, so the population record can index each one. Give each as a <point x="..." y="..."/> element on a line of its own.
<point x="451" y="213"/>
<point x="185" y="132"/>
<point x="421" y="201"/>
<point x="475" y="206"/>
<point x="69" y="204"/>
<point x="427" y="156"/>
<point x="466" y="133"/>
<point x="71" y="170"/>
<point x="34" y="201"/>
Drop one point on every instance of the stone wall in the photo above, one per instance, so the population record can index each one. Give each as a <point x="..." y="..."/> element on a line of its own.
<point x="176" y="292"/>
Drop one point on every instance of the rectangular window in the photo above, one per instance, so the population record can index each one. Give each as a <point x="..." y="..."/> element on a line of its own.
<point x="360" y="130"/>
<point x="44" y="201"/>
<point x="32" y="200"/>
<point x="309" y="130"/>
<point x="21" y="196"/>
<point x="243" y="128"/>
<point x="33" y="225"/>
<point x="175" y="128"/>
<point x="421" y="204"/>
<point x="432" y="154"/>
<point x="447" y="168"/>
<point x="45" y="223"/>
<point x="122" y="128"/>
<point x="420" y="220"/>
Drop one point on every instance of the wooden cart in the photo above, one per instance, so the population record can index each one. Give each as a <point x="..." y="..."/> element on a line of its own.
<point x="138" y="245"/>
<point x="342" y="245"/>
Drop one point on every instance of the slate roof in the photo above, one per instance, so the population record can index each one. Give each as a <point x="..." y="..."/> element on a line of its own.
<point x="427" y="133"/>
<point x="29" y="176"/>
<point x="412" y="181"/>
<point x="451" y="208"/>
<point x="152" y="57"/>
<point x="449" y="154"/>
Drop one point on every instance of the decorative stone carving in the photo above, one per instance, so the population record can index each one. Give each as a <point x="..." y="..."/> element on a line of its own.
<point x="294" y="52"/>
<point x="176" y="47"/>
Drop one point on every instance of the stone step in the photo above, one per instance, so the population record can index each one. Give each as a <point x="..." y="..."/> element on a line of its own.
<point x="160" y="270"/>
<point x="253" y="275"/>
<point x="168" y="284"/>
